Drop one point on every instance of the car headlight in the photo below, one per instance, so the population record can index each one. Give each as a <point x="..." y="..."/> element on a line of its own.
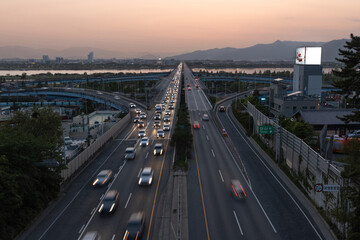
<point x="112" y="207"/>
<point x="101" y="207"/>
<point x="154" y="152"/>
<point x="95" y="182"/>
<point x="140" y="180"/>
<point x="150" y="180"/>
<point x="161" y="152"/>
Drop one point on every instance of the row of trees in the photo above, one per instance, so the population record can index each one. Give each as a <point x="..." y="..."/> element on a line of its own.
<point x="26" y="189"/>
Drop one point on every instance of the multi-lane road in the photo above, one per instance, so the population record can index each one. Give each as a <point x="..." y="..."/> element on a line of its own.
<point x="269" y="211"/>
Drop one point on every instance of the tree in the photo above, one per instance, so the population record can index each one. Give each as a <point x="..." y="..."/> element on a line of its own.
<point x="349" y="75"/>
<point x="32" y="136"/>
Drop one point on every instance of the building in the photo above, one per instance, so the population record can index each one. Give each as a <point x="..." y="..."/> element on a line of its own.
<point x="308" y="71"/>
<point x="91" y="57"/>
<point x="45" y="58"/>
<point x="330" y="117"/>
<point x="283" y="104"/>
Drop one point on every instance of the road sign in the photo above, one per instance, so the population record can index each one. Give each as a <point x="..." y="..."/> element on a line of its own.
<point x="331" y="188"/>
<point x="318" y="187"/>
<point x="265" y="129"/>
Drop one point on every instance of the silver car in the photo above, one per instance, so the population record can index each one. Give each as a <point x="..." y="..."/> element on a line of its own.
<point x="130" y="153"/>
<point x="142" y="133"/>
<point x="158" y="150"/>
<point x="160" y="133"/>
<point x="166" y="127"/>
<point x="103" y="178"/>
<point x="144" y="142"/>
<point x="205" y="117"/>
<point x="146" y="176"/>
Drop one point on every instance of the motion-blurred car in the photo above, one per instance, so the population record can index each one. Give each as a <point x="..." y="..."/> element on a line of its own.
<point x="237" y="189"/>
<point x="142" y="115"/>
<point x="144" y="142"/>
<point x="168" y="113"/>
<point x="109" y="202"/>
<point x="138" y="110"/>
<point x="171" y="106"/>
<point x="135" y="226"/>
<point x="158" y="149"/>
<point x="146" y="176"/>
<point x="103" y="178"/>
<point x="132" y="105"/>
<point x="92" y="235"/>
<point x="130" y="153"/>
<point x="222" y="109"/>
<point x="166" y="119"/>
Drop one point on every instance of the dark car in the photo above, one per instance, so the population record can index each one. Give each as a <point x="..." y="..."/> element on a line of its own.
<point x="222" y="109"/>
<point x="136" y="119"/>
<point x="110" y="202"/>
<point x="157" y="124"/>
<point x="135" y="226"/>
<point x="103" y="178"/>
<point x="141" y="123"/>
<point x="157" y="116"/>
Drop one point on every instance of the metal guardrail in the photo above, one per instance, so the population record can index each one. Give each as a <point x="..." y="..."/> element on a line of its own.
<point x="90" y="151"/>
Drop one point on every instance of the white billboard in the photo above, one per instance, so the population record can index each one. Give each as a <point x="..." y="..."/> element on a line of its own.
<point x="308" y="56"/>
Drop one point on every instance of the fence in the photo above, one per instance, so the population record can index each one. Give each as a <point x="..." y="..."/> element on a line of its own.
<point x="302" y="160"/>
<point x="89" y="152"/>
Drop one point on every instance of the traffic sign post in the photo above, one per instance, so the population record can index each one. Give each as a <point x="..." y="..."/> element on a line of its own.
<point x="318" y="187"/>
<point x="266" y="129"/>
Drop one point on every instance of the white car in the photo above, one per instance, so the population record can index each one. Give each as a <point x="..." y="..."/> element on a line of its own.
<point x="166" y="127"/>
<point x="146" y="176"/>
<point x="142" y="133"/>
<point x="160" y="133"/>
<point x="144" y="142"/>
<point x="132" y="105"/>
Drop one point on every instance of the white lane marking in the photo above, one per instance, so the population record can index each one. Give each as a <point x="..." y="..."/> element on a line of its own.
<point x="147" y="154"/>
<point x="139" y="172"/>
<point x="213" y="152"/>
<point x="203" y="126"/>
<point x="81" y="228"/>
<point x="87" y="224"/>
<point x="222" y="179"/>
<point x="102" y="196"/>
<point x="207" y="137"/>
<point x="127" y="202"/>
<point x="62" y="212"/>
<point x="92" y="212"/>
<point x="113" y="237"/>
<point x="236" y="218"/>
<point x="275" y="179"/>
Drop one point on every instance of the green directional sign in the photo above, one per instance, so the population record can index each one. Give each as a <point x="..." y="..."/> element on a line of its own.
<point x="265" y="129"/>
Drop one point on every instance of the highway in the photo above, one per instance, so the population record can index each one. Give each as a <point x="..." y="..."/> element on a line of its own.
<point x="269" y="211"/>
<point x="76" y="211"/>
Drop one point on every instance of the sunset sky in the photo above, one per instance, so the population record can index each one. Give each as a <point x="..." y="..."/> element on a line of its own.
<point x="172" y="27"/>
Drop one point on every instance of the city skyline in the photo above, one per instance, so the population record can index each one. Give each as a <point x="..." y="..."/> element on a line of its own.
<point x="169" y="28"/>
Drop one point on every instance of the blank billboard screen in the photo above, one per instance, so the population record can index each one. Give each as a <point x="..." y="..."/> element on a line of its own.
<point x="308" y="56"/>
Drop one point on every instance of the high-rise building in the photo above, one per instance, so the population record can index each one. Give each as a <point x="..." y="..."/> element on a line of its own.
<point x="308" y="71"/>
<point x="45" y="58"/>
<point x="91" y="57"/>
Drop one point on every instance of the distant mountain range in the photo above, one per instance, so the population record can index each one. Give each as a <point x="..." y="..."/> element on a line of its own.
<point x="277" y="51"/>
